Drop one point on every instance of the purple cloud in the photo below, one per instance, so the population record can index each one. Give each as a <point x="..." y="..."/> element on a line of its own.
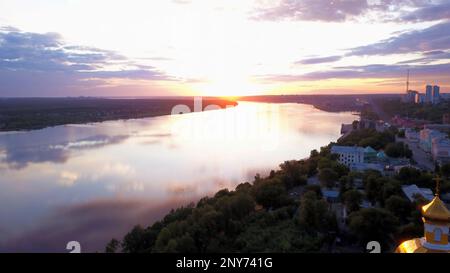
<point x="429" y="57"/>
<point x="319" y="60"/>
<point x="436" y="37"/>
<point x="364" y="71"/>
<point x="314" y="10"/>
<point x="433" y="12"/>
<point x="334" y="10"/>
<point x="43" y="64"/>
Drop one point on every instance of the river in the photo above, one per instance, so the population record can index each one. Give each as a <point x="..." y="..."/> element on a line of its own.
<point x="92" y="182"/>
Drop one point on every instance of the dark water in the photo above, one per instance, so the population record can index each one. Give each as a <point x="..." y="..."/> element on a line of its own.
<point x="92" y="182"/>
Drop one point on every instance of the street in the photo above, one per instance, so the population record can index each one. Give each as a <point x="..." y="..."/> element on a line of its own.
<point x="423" y="159"/>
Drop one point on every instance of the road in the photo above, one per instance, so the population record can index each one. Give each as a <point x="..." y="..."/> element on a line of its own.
<point x="422" y="158"/>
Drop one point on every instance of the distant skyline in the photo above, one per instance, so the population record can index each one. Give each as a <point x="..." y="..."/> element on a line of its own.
<point x="222" y="47"/>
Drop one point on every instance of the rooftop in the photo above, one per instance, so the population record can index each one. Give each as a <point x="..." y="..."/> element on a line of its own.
<point x="412" y="190"/>
<point x="347" y="149"/>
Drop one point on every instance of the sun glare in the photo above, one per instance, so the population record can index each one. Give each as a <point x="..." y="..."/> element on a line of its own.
<point x="227" y="87"/>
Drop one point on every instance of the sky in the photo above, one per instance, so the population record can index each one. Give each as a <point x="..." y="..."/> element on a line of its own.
<point x="221" y="47"/>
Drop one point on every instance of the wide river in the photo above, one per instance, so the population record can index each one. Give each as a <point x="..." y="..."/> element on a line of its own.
<point x="90" y="183"/>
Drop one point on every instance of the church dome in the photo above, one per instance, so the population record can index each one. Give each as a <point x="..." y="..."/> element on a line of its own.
<point x="436" y="218"/>
<point x="436" y="210"/>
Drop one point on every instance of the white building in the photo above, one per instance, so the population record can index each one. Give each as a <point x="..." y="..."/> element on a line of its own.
<point x="440" y="150"/>
<point x="420" y="98"/>
<point x="427" y="136"/>
<point x="349" y="154"/>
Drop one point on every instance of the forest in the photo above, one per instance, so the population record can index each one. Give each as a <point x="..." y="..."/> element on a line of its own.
<point x="284" y="213"/>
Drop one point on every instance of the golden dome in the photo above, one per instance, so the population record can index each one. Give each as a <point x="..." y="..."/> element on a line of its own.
<point x="416" y="246"/>
<point x="436" y="210"/>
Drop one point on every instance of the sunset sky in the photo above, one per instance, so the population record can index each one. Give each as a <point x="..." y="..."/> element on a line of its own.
<point x="221" y="47"/>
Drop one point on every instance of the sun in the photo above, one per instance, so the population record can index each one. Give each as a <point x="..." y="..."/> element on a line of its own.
<point x="227" y="87"/>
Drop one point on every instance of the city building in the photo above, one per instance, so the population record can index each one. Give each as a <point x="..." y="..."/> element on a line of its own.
<point x="359" y="159"/>
<point x="410" y="96"/>
<point x="378" y="125"/>
<point x="395" y="169"/>
<point x="408" y="122"/>
<point x="440" y="150"/>
<point x="432" y="95"/>
<point x="438" y="127"/>
<point x="436" y="94"/>
<point x="370" y="154"/>
<point x="412" y="192"/>
<point x="332" y="196"/>
<point x="426" y="137"/>
<point x="362" y="166"/>
<point x="382" y="157"/>
<point x="429" y="94"/>
<point x="436" y="219"/>
<point x="348" y="154"/>
<point x="412" y="135"/>
<point x="420" y="98"/>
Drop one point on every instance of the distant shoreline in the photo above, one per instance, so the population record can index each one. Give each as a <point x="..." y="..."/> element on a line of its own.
<point x="27" y="114"/>
<point x="328" y="103"/>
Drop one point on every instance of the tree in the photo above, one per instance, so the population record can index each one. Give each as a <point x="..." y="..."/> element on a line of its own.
<point x="313" y="215"/>
<point x="292" y="174"/>
<point x="324" y="163"/>
<point x="345" y="183"/>
<point x="327" y="177"/>
<point x="399" y="207"/>
<point x="134" y="241"/>
<point x="340" y="169"/>
<point x="445" y="170"/>
<point x="373" y="224"/>
<point x="373" y="187"/>
<point x="398" y="149"/>
<point x="270" y="193"/>
<point x="112" y="246"/>
<point x="352" y="200"/>
<point x="314" y="153"/>
<point x="391" y="187"/>
<point x="314" y="188"/>
<point x="368" y="137"/>
<point x="406" y="173"/>
<point x="185" y="244"/>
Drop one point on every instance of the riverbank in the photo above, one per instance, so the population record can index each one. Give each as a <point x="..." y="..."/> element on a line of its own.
<point x="328" y="103"/>
<point x="311" y="205"/>
<point x="23" y="114"/>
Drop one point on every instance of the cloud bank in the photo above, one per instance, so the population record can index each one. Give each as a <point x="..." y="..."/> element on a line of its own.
<point x="343" y="10"/>
<point x="43" y="64"/>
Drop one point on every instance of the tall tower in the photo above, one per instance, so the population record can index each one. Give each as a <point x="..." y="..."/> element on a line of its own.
<point x="436" y="219"/>
<point x="436" y="94"/>
<point x="429" y="93"/>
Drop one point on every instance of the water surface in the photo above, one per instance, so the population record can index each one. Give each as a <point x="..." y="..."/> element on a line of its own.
<point x="92" y="182"/>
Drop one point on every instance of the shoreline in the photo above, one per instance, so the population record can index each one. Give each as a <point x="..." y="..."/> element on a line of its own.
<point x="28" y="114"/>
<point x="24" y="115"/>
